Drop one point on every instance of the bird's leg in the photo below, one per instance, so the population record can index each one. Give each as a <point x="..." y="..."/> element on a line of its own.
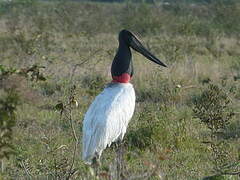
<point x="119" y="160"/>
<point x="96" y="165"/>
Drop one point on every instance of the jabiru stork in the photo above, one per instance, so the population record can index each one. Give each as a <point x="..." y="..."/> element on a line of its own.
<point x="108" y="116"/>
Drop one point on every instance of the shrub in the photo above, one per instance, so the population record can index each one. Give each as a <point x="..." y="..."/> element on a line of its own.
<point x="212" y="107"/>
<point x="142" y="137"/>
<point x="226" y="16"/>
<point x="8" y="104"/>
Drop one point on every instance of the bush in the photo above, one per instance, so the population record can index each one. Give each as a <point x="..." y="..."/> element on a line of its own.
<point x="212" y="107"/>
<point x="142" y="137"/>
<point x="8" y="104"/>
<point x="226" y="16"/>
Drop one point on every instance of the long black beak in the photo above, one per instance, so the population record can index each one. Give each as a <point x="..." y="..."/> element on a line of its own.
<point x="137" y="46"/>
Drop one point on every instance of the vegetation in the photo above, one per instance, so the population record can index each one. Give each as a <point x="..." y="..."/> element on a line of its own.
<point x="55" y="58"/>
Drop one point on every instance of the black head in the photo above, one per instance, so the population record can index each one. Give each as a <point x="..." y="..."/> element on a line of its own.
<point x="122" y="61"/>
<point x="125" y="36"/>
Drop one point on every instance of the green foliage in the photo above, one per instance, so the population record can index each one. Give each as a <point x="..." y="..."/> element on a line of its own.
<point x="142" y="137"/>
<point x="226" y="15"/>
<point x="212" y="108"/>
<point x="9" y="101"/>
<point x="154" y="131"/>
<point x="150" y="21"/>
<point x="219" y="177"/>
<point x="8" y="105"/>
<point x="145" y="18"/>
<point x="4" y="71"/>
<point x="32" y="72"/>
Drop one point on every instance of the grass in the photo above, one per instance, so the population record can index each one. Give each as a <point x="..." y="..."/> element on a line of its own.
<point x="76" y="42"/>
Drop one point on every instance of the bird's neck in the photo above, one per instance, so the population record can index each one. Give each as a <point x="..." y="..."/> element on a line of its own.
<point x="122" y="68"/>
<point x="123" y="78"/>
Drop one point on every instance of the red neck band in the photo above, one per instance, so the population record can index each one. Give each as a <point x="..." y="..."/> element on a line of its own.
<point x="123" y="78"/>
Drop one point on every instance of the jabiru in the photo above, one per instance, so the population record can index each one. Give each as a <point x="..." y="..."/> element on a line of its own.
<point x="108" y="116"/>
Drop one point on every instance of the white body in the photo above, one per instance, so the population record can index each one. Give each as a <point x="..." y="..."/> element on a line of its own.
<point x="107" y="119"/>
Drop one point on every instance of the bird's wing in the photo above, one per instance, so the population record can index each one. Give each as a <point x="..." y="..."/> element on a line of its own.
<point x="106" y="119"/>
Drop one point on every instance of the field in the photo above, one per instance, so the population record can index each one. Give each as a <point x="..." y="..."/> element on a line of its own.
<point x="57" y="54"/>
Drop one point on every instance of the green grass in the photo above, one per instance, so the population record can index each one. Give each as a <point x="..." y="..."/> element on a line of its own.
<point x="76" y="43"/>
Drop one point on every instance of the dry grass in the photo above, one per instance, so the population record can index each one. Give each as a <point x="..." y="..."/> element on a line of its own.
<point x="77" y="47"/>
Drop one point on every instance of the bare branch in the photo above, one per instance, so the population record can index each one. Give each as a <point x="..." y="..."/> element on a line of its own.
<point x="25" y="169"/>
<point x="71" y="97"/>
<point x="83" y="62"/>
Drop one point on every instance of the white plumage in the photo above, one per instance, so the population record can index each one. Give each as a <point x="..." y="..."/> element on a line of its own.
<point x="108" y="116"/>
<point x="107" y="119"/>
